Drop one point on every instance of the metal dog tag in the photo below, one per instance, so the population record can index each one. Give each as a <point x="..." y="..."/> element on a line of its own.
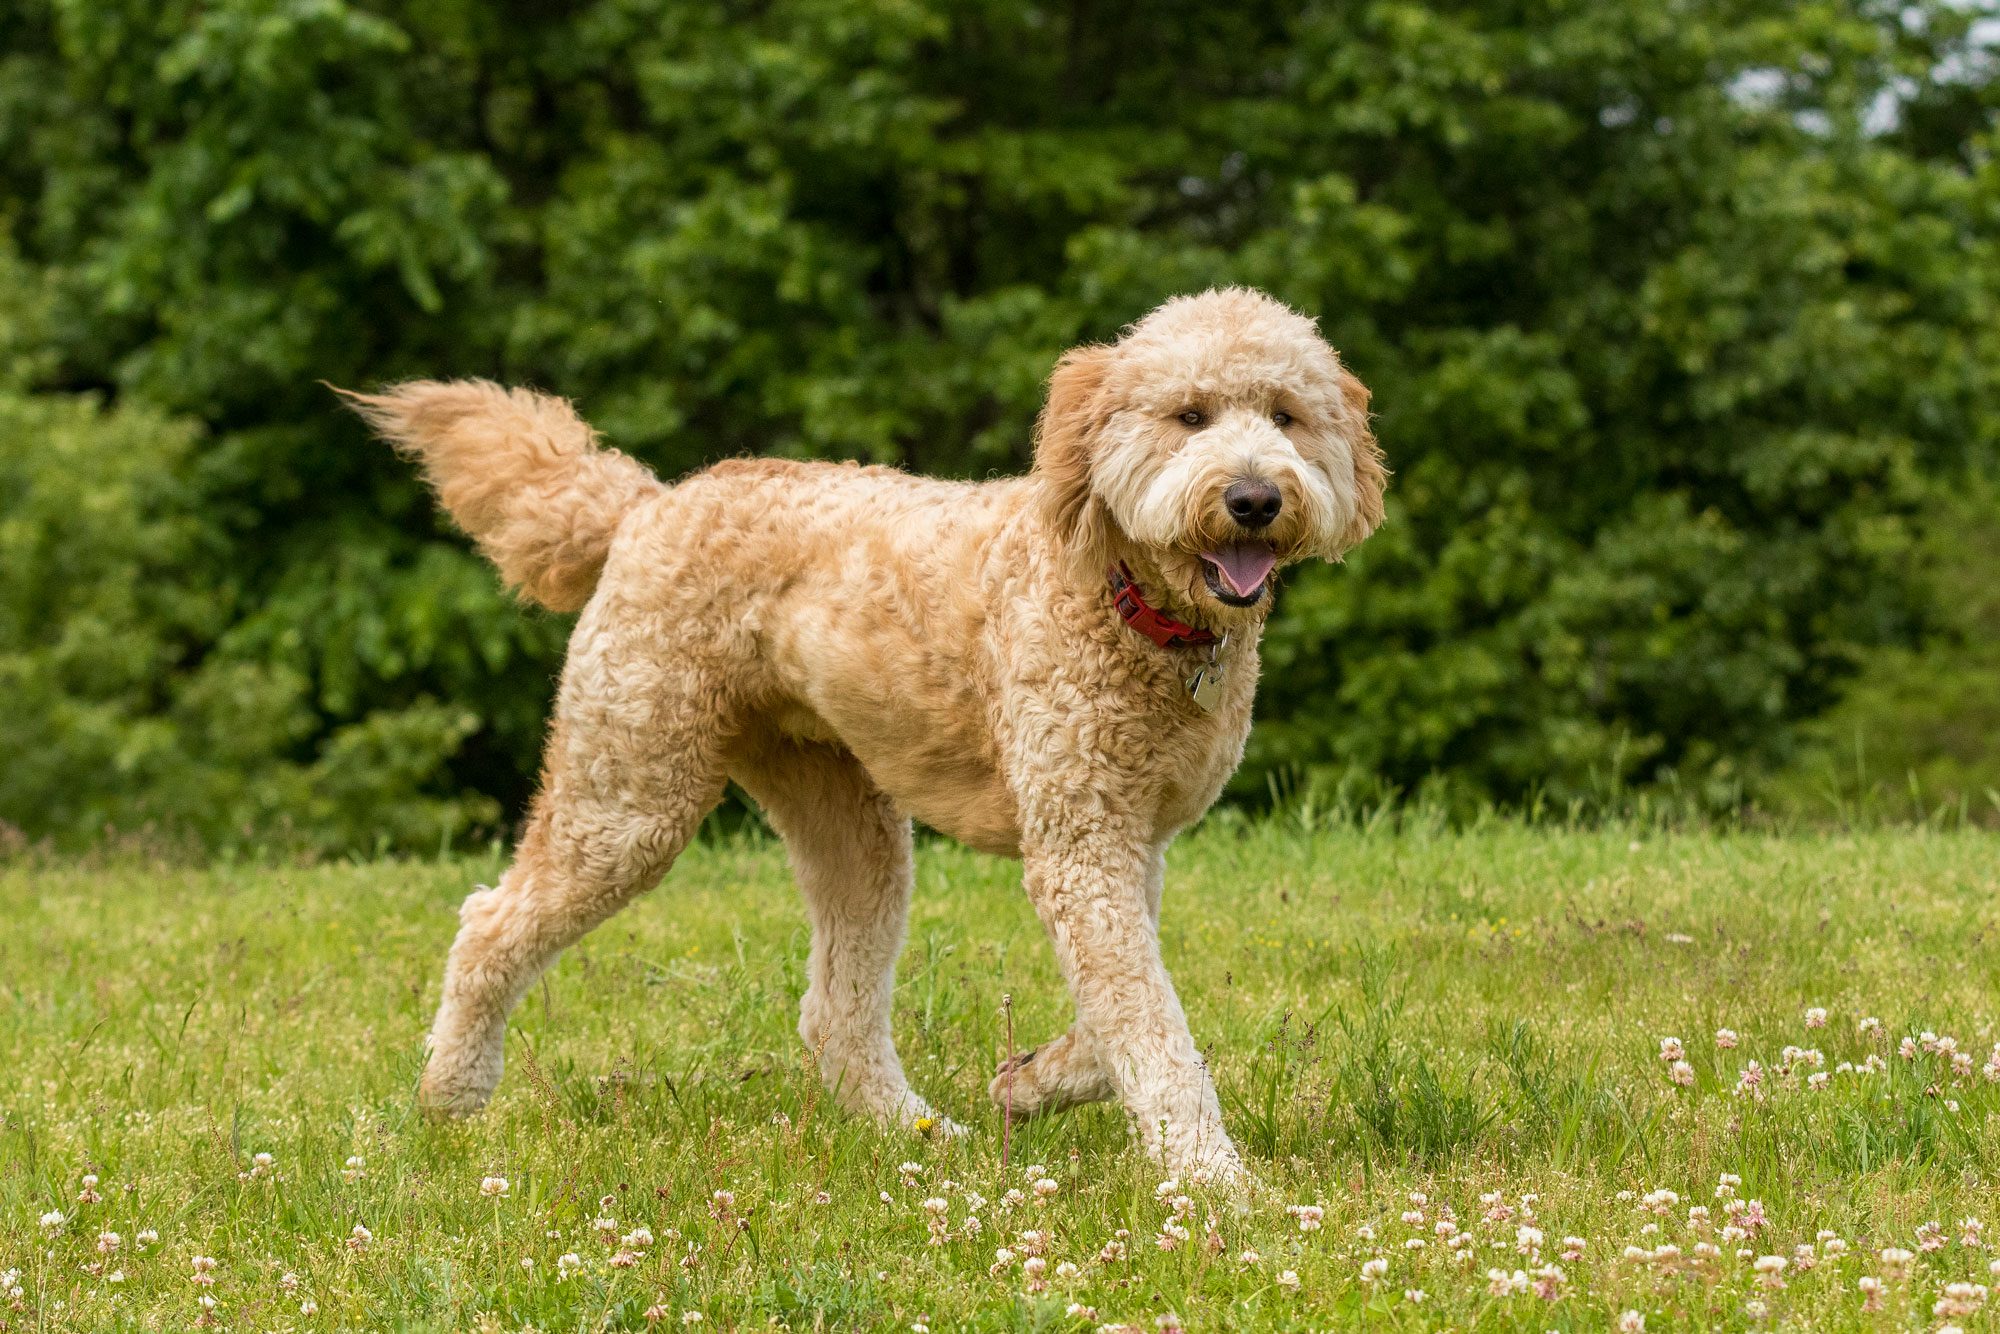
<point x="1206" y="683"/>
<point x="1206" y="686"/>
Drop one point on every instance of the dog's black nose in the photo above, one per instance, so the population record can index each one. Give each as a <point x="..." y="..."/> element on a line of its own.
<point x="1253" y="502"/>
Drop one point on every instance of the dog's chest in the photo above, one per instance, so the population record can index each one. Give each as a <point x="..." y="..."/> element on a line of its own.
<point x="1195" y="771"/>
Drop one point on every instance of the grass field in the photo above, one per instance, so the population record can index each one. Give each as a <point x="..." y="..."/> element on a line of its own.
<point x="1448" y="1042"/>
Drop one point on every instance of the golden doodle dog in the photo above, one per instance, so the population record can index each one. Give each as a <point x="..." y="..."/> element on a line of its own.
<point x="1057" y="667"/>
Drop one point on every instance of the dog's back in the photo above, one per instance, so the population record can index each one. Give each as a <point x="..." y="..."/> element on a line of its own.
<point x="526" y="477"/>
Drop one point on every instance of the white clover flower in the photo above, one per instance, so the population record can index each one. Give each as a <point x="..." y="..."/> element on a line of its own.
<point x="1960" y="1299"/>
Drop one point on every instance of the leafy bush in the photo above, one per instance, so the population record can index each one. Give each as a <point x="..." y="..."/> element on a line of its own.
<point x="1664" y="307"/>
<point x="1918" y="733"/>
<point x="120" y="707"/>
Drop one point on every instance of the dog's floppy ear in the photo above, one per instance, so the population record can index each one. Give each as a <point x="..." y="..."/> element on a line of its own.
<point x="1072" y="416"/>
<point x="1370" y="476"/>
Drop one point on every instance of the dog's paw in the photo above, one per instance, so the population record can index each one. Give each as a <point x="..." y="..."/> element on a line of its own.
<point x="459" y="1080"/>
<point x="1048" y="1078"/>
<point x="1230" y="1180"/>
<point x="1197" y="1152"/>
<point x="449" y="1101"/>
<point x="1016" y="1087"/>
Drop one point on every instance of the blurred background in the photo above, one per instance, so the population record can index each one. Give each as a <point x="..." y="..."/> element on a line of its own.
<point x="1679" y="314"/>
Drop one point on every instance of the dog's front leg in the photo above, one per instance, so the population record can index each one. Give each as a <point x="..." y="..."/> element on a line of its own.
<point x="1089" y="886"/>
<point x="1068" y="1069"/>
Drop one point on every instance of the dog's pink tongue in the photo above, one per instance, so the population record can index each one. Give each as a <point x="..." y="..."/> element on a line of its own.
<point x="1244" y="566"/>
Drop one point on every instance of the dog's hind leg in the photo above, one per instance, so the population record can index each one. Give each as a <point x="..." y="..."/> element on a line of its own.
<point x="627" y="779"/>
<point x="851" y="853"/>
<point x="1067" y="1070"/>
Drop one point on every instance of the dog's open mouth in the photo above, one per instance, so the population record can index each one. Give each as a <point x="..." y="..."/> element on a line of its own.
<point x="1237" y="573"/>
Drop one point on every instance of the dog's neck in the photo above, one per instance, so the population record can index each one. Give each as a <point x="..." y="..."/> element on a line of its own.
<point x="1148" y="620"/>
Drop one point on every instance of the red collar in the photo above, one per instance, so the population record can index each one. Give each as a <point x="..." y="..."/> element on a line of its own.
<point x="1156" y="625"/>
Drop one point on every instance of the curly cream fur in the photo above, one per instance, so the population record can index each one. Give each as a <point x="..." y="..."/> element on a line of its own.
<point x="856" y="646"/>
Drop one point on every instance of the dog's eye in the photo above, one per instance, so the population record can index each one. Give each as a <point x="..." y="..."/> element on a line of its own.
<point x="1192" y="417"/>
<point x="1281" y="419"/>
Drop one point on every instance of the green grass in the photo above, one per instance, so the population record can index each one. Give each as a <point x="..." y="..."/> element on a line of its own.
<point x="1455" y="1014"/>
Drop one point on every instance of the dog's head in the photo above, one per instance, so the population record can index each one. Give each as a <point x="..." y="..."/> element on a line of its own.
<point x="1218" y="440"/>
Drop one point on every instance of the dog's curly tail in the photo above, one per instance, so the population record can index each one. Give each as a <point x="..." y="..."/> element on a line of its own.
<point x="521" y="472"/>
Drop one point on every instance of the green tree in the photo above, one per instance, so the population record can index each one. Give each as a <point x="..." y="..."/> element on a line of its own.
<point x="1664" y="307"/>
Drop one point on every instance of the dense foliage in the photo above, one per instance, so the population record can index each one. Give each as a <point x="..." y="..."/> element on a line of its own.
<point x="1916" y="735"/>
<point x="1667" y="308"/>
